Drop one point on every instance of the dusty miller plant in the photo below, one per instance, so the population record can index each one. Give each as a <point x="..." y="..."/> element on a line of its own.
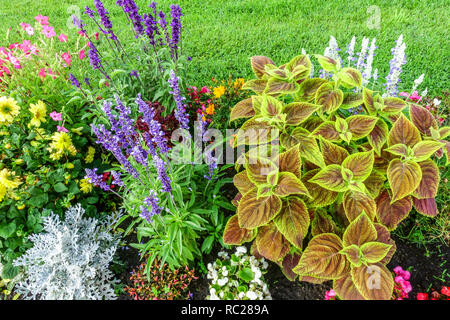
<point x="69" y="260"/>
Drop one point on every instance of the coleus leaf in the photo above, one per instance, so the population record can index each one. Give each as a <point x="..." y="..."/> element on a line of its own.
<point x="330" y="178"/>
<point x="368" y="101"/>
<point x="277" y="73"/>
<point x="350" y="77"/>
<point x="360" y="231"/>
<point x="300" y="60"/>
<point x="352" y="100"/>
<point x="429" y="183"/>
<point x="353" y="255"/>
<point x="289" y="262"/>
<point x="384" y="236"/>
<point x="356" y="202"/>
<point x="307" y="145"/>
<point x="276" y="86"/>
<point x="289" y="184"/>
<point x="328" y="64"/>
<point x="271" y="106"/>
<point x="425" y="149"/>
<point x="346" y="289"/>
<point x="257" y="86"/>
<point x="271" y="243"/>
<point x="393" y="105"/>
<point x="422" y="118"/>
<point x="290" y="161"/>
<point x="259" y="169"/>
<point x="235" y="235"/>
<point x="360" y="125"/>
<point x="258" y="65"/>
<point x="374" y="251"/>
<point x="403" y="131"/>
<point x="374" y="183"/>
<point x="236" y="199"/>
<point x="320" y="197"/>
<point x="332" y="153"/>
<point x="399" y="149"/>
<point x="329" y="98"/>
<point x="323" y="223"/>
<point x="378" y="136"/>
<point x="242" y="182"/>
<point x="293" y="221"/>
<point x="328" y="131"/>
<point x="427" y="207"/>
<point x="361" y="164"/>
<point x="256" y="131"/>
<point x="243" y="109"/>
<point x="374" y="282"/>
<point x="389" y="213"/>
<point x="254" y="212"/>
<point x="308" y="88"/>
<point x="321" y="258"/>
<point x="404" y="178"/>
<point x="297" y="112"/>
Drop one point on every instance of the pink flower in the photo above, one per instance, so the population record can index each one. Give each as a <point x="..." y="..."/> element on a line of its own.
<point x="329" y="295"/>
<point x="56" y="116"/>
<point x="404" y="94"/>
<point x="67" y="58"/>
<point x="82" y="33"/>
<point x="28" y="29"/>
<point x="398" y="269"/>
<point x="48" y="31"/>
<point x="415" y="97"/>
<point x="51" y="73"/>
<point x="96" y="36"/>
<point x="61" y="129"/>
<point x="43" y="20"/>
<point x="82" y="54"/>
<point x="62" y="37"/>
<point x="422" y="296"/>
<point x="42" y="73"/>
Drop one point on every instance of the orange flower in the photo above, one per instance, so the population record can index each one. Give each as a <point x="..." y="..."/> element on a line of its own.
<point x="210" y="109"/>
<point x="239" y="83"/>
<point x="219" y="91"/>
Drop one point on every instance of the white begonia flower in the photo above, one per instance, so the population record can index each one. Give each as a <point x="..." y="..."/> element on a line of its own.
<point x="233" y="263"/>
<point x="221" y="294"/>
<point x="241" y="250"/>
<point x="224" y="272"/>
<point x="222" y="282"/>
<point x="251" y="295"/>
<point x="241" y="295"/>
<point x="436" y="102"/>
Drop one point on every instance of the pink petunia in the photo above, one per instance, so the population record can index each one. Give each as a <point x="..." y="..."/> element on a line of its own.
<point x="28" y="29"/>
<point x="62" y="37"/>
<point x="61" y="129"/>
<point x="48" y="31"/>
<point x="42" y="73"/>
<point x="82" y="54"/>
<point x="56" y="116"/>
<point x="43" y="20"/>
<point x="67" y="58"/>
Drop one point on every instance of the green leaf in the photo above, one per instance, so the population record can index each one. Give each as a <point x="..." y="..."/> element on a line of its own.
<point x="246" y="274"/>
<point x="60" y="187"/>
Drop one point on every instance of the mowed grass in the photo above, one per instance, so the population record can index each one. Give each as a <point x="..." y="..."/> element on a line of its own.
<point x="221" y="36"/>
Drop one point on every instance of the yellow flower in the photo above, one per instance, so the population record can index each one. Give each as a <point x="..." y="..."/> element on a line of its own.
<point x="219" y="91"/>
<point x="21" y="207"/>
<point x="8" y="180"/>
<point x="90" y="155"/>
<point x="61" y="144"/>
<point x="85" y="185"/>
<point x="210" y="109"/>
<point x="2" y="192"/>
<point x="70" y="165"/>
<point x="238" y="83"/>
<point x="8" y="110"/>
<point x="39" y="112"/>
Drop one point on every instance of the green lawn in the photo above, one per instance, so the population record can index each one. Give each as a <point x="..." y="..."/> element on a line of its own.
<point x="222" y="35"/>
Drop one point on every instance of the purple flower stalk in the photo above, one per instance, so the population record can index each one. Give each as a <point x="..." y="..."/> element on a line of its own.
<point x="104" y="19"/>
<point x="96" y="179"/>
<point x="150" y="202"/>
<point x="131" y="10"/>
<point x="175" y="13"/>
<point x="74" y="81"/>
<point x="151" y="28"/>
<point x="180" y="112"/>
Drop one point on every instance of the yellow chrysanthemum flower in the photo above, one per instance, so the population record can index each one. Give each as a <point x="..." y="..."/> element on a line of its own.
<point x="8" y="180"/>
<point x="61" y="144"/>
<point x="8" y="110"/>
<point x="90" y="155"/>
<point x="210" y="109"/>
<point x="219" y="91"/>
<point x="85" y="185"/>
<point x="39" y="111"/>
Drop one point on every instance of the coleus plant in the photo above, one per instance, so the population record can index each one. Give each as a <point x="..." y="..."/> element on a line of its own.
<point x="321" y="189"/>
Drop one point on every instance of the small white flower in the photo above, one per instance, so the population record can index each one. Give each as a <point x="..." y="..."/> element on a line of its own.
<point x="221" y="294"/>
<point x="241" y="295"/>
<point x="436" y="102"/>
<point x="241" y="250"/>
<point x="251" y="295"/>
<point x="222" y="282"/>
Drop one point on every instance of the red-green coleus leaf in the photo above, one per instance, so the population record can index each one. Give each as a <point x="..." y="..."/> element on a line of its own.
<point x="254" y="212"/>
<point x="259" y="169"/>
<point x="236" y="199"/>
<point x="393" y="105"/>
<point x="352" y="100"/>
<point x="256" y="131"/>
<point x="258" y="65"/>
<point x="297" y="112"/>
<point x="360" y="125"/>
<point x="330" y="178"/>
<point x="276" y="86"/>
<point x="293" y="221"/>
<point x="374" y="282"/>
<point x="235" y="235"/>
<point x="271" y="243"/>
<point x="290" y="161"/>
<point x="360" y="164"/>
<point x="306" y="144"/>
<point x="289" y="184"/>
<point x="329" y="98"/>
<point x="391" y="214"/>
<point x="299" y="67"/>
<point x="243" y="109"/>
<point x="323" y="223"/>
<point x="374" y="251"/>
<point x="350" y="77"/>
<point x="321" y="258"/>
<point x="399" y="149"/>
<point x="328" y="64"/>
<point x="257" y="86"/>
<point x="405" y="132"/>
<point x="353" y="255"/>
<point x="289" y="262"/>
<point x="425" y="149"/>
<point x="308" y="88"/>
<point x="429" y="184"/>
<point x="422" y="118"/>
<point x="404" y="178"/>
<point x="360" y="231"/>
<point x="346" y="289"/>
<point x="368" y="100"/>
<point x="271" y="106"/>
<point x="378" y="136"/>
<point x="356" y="202"/>
<point x="242" y="182"/>
<point x="320" y="197"/>
<point x="427" y="207"/>
<point x="332" y="153"/>
<point x="328" y="131"/>
<point x="374" y="183"/>
<point x="384" y="236"/>
<point x="275" y="72"/>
